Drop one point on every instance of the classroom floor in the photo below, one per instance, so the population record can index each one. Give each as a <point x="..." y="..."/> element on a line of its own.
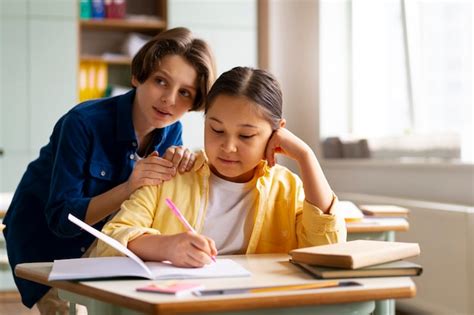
<point x="10" y="303"/>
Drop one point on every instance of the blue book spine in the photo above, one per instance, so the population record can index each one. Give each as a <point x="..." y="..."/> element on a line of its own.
<point x="98" y="9"/>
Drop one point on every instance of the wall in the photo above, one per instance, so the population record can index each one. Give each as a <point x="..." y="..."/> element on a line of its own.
<point x="445" y="233"/>
<point x="38" y="78"/>
<point x="437" y="182"/>
<point x="230" y="28"/>
<point x="294" y="60"/>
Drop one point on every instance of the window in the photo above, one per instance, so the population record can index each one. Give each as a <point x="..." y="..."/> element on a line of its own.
<point x="399" y="74"/>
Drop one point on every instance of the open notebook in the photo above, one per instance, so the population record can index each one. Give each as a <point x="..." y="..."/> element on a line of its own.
<point x="133" y="266"/>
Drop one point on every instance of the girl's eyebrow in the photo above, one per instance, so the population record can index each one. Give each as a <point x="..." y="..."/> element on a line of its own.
<point x="241" y="125"/>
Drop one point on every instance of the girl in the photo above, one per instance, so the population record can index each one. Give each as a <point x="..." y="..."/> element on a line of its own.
<point x="237" y="198"/>
<point x="101" y="151"/>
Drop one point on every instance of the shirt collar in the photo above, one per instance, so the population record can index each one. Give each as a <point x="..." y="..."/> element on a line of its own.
<point x="125" y="130"/>
<point x="203" y="165"/>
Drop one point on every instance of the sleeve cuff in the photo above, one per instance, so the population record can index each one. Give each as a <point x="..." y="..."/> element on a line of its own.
<point x="318" y="222"/>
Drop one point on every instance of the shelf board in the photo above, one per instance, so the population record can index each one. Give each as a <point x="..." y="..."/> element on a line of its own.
<point x="116" y="60"/>
<point x="123" y="24"/>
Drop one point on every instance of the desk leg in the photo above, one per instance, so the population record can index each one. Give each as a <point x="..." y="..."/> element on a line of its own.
<point x="385" y="307"/>
<point x="390" y="236"/>
<point x="94" y="307"/>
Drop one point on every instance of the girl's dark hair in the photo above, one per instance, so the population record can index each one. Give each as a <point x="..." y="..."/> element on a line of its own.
<point x="177" y="41"/>
<point x="257" y="85"/>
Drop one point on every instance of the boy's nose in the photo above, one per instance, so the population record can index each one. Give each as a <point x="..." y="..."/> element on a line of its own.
<point x="169" y="98"/>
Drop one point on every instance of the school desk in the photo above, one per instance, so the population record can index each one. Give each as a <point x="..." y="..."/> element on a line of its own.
<point x="120" y="296"/>
<point x="381" y="229"/>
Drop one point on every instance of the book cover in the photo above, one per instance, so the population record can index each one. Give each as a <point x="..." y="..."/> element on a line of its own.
<point x="384" y="211"/>
<point x="97" y="9"/>
<point x="355" y="254"/>
<point x="172" y="287"/>
<point x="391" y="269"/>
<point x="133" y="266"/>
<point x="85" y="9"/>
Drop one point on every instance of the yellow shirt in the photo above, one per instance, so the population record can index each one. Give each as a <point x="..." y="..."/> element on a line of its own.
<point x="283" y="220"/>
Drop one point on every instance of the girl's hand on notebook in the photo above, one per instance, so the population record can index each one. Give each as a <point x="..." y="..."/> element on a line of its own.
<point x="285" y="142"/>
<point x="182" y="158"/>
<point x="189" y="249"/>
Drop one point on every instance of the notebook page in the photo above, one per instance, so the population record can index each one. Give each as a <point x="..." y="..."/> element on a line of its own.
<point x="110" y="241"/>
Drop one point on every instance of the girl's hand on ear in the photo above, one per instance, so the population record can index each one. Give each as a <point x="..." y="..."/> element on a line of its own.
<point x="182" y="158"/>
<point x="285" y="142"/>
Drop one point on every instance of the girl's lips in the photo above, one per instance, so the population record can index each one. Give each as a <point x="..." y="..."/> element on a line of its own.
<point x="227" y="161"/>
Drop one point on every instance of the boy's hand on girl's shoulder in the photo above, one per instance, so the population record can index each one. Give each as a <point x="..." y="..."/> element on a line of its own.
<point x="182" y="158"/>
<point x="152" y="170"/>
<point x="189" y="249"/>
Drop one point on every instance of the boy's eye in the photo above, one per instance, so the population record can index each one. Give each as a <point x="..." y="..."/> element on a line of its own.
<point x="185" y="93"/>
<point x="247" y="136"/>
<point x="217" y="131"/>
<point x="160" y="81"/>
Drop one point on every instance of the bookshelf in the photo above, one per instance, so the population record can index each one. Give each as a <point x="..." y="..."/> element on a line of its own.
<point x="106" y="45"/>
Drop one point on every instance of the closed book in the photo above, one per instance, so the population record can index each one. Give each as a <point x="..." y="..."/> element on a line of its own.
<point x="355" y="254"/>
<point x="115" y="9"/>
<point x="384" y="211"/>
<point x="85" y="9"/>
<point x="391" y="269"/>
<point x="98" y="9"/>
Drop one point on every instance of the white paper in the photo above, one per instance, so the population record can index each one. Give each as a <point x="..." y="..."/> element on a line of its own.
<point x="97" y="267"/>
<point x="110" y="241"/>
<point x="107" y="267"/>
<point x="133" y="266"/>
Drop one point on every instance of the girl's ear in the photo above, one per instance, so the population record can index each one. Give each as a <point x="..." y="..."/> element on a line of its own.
<point x="135" y="82"/>
<point x="282" y="123"/>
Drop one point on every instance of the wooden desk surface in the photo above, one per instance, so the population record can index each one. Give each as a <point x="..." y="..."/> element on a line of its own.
<point x="266" y="270"/>
<point x="373" y="225"/>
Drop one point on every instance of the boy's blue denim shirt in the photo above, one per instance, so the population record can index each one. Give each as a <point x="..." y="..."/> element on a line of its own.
<point x="91" y="150"/>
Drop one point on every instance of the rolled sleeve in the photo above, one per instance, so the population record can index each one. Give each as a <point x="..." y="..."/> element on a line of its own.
<point x="317" y="228"/>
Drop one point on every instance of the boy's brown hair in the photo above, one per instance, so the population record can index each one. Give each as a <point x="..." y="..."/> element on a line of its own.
<point x="177" y="41"/>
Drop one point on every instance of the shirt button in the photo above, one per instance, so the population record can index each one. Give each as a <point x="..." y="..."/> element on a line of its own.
<point x="132" y="156"/>
<point x="102" y="173"/>
<point x="83" y="249"/>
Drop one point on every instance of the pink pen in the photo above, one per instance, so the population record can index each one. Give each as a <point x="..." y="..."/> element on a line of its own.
<point x="181" y="218"/>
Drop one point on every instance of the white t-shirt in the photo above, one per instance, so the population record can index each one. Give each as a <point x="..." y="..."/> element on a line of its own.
<point x="229" y="216"/>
